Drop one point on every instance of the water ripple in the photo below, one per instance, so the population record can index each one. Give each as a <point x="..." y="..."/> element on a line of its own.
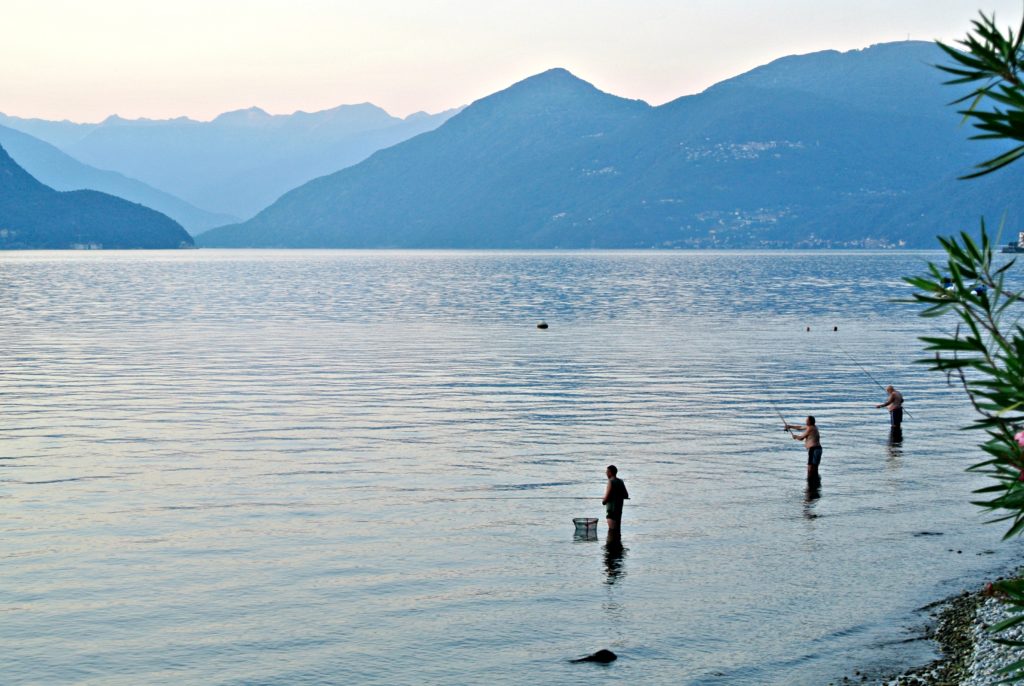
<point x="310" y="467"/>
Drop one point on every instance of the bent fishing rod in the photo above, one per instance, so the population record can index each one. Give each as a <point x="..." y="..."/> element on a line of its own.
<point x="859" y="366"/>
<point x="785" y="424"/>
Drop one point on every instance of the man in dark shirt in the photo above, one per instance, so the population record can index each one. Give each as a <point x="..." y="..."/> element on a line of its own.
<point x="615" y="495"/>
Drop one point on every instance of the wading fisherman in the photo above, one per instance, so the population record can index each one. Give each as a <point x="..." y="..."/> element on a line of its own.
<point x="893" y="403"/>
<point x="615" y="495"/>
<point x="812" y="441"/>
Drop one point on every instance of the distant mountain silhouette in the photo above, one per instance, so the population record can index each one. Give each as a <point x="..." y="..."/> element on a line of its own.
<point x="58" y="133"/>
<point x="33" y="216"/>
<point x="64" y="173"/>
<point x="829" y="149"/>
<point x="241" y="161"/>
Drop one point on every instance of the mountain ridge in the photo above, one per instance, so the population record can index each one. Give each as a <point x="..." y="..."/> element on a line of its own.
<point x="238" y="163"/>
<point x="60" y="171"/>
<point x="35" y="216"/>
<point x="766" y="159"/>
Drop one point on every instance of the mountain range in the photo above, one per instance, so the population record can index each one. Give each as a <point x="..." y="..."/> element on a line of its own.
<point x="34" y="216"/>
<point x="236" y="164"/>
<point x="829" y="149"/>
<point x="60" y="171"/>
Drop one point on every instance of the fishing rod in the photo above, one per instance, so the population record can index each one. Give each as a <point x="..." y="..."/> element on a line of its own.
<point x="457" y="499"/>
<point x="868" y="374"/>
<point x="785" y="424"/>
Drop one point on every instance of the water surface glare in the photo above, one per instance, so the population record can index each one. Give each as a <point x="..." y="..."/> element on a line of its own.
<point x="332" y="467"/>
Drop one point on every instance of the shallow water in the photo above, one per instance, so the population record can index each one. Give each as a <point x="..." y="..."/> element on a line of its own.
<point x="233" y="467"/>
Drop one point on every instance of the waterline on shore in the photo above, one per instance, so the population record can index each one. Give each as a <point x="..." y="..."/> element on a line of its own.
<point x="970" y="654"/>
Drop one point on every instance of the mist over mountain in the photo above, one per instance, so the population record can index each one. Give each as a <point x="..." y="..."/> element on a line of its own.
<point x="34" y="216"/>
<point x="828" y="149"/>
<point x="241" y="161"/>
<point x="62" y="172"/>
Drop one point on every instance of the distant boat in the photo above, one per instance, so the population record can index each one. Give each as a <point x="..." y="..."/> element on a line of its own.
<point x="1015" y="247"/>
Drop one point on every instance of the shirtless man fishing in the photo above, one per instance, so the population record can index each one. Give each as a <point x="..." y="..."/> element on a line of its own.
<point x="812" y="441"/>
<point x="893" y="403"/>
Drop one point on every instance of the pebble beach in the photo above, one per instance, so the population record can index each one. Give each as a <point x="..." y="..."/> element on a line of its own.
<point x="970" y="655"/>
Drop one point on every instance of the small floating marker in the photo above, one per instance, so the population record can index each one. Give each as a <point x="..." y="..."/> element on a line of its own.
<point x="835" y="328"/>
<point x="808" y="328"/>
<point x="542" y="325"/>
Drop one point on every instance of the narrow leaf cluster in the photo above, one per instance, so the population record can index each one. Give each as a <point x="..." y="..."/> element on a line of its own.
<point x="985" y="353"/>
<point x="993" y="60"/>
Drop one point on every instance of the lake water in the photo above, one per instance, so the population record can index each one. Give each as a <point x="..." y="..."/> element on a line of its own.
<point x="362" y="468"/>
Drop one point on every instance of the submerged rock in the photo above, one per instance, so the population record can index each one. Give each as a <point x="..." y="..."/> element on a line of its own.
<point x="602" y="655"/>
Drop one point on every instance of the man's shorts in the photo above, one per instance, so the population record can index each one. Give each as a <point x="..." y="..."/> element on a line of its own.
<point x="613" y="511"/>
<point x="814" y="456"/>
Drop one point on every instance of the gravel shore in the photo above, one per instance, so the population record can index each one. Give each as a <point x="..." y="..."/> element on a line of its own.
<point x="988" y="657"/>
<point x="970" y="656"/>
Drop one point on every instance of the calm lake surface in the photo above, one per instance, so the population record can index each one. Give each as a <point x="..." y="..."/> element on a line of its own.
<point x="331" y="467"/>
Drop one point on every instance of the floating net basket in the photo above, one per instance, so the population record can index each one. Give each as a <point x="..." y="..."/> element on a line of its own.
<point x="585" y="525"/>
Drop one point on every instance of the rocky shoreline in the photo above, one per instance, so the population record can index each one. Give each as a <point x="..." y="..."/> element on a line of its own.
<point x="970" y="656"/>
<point x="955" y="633"/>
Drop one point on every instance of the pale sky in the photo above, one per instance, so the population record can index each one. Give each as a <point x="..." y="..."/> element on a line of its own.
<point x="86" y="59"/>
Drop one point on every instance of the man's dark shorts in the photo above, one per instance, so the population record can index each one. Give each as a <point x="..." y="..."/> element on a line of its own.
<point x="613" y="511"/>
<point x="814" y="456"/>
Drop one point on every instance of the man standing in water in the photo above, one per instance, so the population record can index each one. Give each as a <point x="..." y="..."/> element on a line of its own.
<point x="894" y="403"/>
<point x="615" y="495"/>
<point x="812" y="441"/>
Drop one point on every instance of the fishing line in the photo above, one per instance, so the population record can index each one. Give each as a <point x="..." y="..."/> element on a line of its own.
<point x="775" y="407"/>
<point x="861" y="367"/>
<point x="520" y="497"/>
<point x="760" y="371"/>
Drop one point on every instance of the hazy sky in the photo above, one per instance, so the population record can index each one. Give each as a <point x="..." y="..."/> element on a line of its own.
<point x="84" y="60"/>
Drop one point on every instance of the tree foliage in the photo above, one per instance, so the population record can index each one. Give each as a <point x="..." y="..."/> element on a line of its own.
<point x="996" y="106"/>
<point x="985" y="353"/>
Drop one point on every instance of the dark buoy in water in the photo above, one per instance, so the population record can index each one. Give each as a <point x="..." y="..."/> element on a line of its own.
<point x="808" y="328"/>
<point x="835" y="328"/>
<point x="542" y="325"/>
<point x="602" y="656"/>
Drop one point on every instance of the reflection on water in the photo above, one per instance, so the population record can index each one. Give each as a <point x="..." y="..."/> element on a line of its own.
<point x="811" y="495"/>
<point x="585" y="534"/>
<point x="894" y="446"/>
<point x="614" y="557"/>
<point x="359" y="467"/>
